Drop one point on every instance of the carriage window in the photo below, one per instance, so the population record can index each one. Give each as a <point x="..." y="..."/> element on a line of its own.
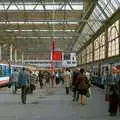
<point x="0" y="71"/>
<point x="7" y="71"/>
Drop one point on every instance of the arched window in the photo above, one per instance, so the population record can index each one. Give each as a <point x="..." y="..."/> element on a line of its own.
<point x="99" y="47"/>
<point x="84" y="56"/>
<point x="89" y="53"/>
<point x="113" y="39"/>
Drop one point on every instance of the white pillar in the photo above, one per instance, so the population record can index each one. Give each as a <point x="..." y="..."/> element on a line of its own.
<point x="11" y="47"/>
<point x="15" y="55"/>
<point x="0" y="52"/>
<point x="22" y="57"/>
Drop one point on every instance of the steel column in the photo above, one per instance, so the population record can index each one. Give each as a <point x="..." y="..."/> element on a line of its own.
<point x="0" y="52"/>
<point x="11" y="49"/>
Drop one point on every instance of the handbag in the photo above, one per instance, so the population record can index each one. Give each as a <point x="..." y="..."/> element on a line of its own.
<point x="88" y="93"/>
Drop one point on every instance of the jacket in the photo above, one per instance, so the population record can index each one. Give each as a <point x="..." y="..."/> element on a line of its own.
<point x="74" y="78"/>
<point x="82" y="82"/>
<point x="24" y="78"/>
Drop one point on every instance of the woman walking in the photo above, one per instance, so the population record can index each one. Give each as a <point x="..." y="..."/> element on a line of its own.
<point x="82" y="84"/>
<point x="67" y="80"/>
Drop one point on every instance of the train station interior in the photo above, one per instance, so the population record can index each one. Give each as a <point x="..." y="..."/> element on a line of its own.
<point x="48" y="36"/>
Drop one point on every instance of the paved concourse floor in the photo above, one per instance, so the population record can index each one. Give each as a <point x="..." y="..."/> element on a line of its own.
<point x="53" y="104"/>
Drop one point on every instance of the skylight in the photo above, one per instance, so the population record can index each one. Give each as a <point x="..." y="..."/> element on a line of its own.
<point x="36" y="6"/>
<point x="57" y="22"/>
<point x="43" y="37"/>
<point x="37" y="30"/>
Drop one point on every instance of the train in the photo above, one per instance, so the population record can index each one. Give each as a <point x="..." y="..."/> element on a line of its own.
<point x="6" y="71"/>
<point x="99" y="68"/>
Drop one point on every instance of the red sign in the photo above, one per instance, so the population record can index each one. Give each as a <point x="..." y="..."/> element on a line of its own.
<point x="57" y="55"/>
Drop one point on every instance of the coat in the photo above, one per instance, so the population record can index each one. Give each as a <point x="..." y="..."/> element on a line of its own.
<point x="82" y="83"/>
<point x="67" y="78"/>
<point x="24" y="78"/>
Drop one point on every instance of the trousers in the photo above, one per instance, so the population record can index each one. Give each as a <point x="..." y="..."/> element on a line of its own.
<point x="23" y="94"/>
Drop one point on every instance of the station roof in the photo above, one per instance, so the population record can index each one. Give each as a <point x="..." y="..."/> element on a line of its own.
<point x="30" y="25"/>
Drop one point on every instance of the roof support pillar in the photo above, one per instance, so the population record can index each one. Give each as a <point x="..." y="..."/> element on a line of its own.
<point x="0" y="52"/>
<point x="15" y="55"/>
<point x="22" y="59"/>
<point x="11" y="49"/>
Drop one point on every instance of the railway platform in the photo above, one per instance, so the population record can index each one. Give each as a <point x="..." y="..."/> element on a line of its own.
<point x="53" y="104"/>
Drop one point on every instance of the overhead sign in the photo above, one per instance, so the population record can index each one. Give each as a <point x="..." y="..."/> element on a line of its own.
<point x="57" y="55"/>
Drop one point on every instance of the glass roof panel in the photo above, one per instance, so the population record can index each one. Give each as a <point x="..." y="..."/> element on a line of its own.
<point x="103" y="10"/>
<point x="50" y="6"/>
<point x="37" y="30"/>
<point x="107" y="6"/>
<point x="38" y="22"/>
<point x="82" y="38"/>
<point x="87" y="32"/>
<point x="116" y="3"/>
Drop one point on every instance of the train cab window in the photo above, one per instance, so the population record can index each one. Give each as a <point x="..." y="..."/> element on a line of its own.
<point x="73" y="62"/>
<point x="68" y="62"/>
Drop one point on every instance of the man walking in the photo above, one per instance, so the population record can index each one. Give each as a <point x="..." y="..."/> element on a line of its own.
<point x="24" y="82"/>
<point x="74" y="78"/>
<point x="15" y="75"/>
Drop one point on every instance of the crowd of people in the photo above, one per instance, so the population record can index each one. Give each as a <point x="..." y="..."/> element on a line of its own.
<point x="76" y="80"/>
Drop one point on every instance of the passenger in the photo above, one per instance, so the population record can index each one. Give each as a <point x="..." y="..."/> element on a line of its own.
<point x="53" y="78"/>
<point x="108" y="79"/>
<point x="32" y="82"/>
<point x="118" y="83"/>
<point x="67" y="80"/>
<point x="89" y="79"/>
<point x="15" y="75"/>
<point x="24" y="82"/>
<point x="40" y="78"/>
<point x="48" y="79"/>
<point x="60" y="78"/>
<point x="82" y="84"/>
<point x="74" y="87"/>
<point x="114" y="95"/>
<point x="57" y="78"/>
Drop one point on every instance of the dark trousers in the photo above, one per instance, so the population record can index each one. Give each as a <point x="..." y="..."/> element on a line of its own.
<point x="23" y="94"/>
<point x="113" y="103"/>
<point x="41" y="83"/>
<point x="67" y="90"/>
<point x="75" y="94"/>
